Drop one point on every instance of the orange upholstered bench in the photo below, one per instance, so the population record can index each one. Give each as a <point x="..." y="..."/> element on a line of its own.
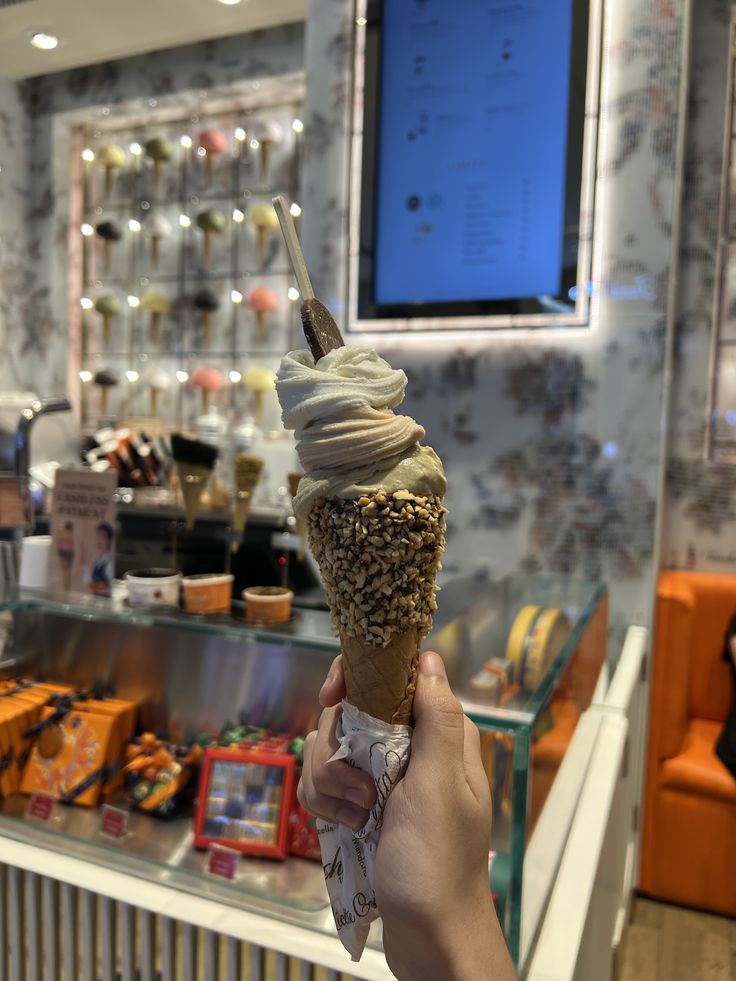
<point x="689" y="834"/>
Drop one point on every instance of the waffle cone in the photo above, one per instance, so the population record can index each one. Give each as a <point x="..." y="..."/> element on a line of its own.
<point x="193" y="480"/>
<point x="381" y="680"/>
<point x="379" y="557"/>
<point x="247" y="474"/>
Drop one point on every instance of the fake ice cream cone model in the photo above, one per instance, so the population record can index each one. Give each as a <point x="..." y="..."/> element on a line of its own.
<point x="158" y="305"/>
<point x="263" y="218"/>
<point x="105" y="379"/>
<point x="262" y="301"/>
<point x="206" y="302"/>
<point x="259" y="381"/>
<point x="210" y="222"/>
<point x="158" y="381"/>
<point x="108" y="306"/>
<point x="157" y="227"/>
<point x="247" y="473"/>
<point x="371" y="495"/>
<point x="269" y="135"/>
<point x="194" y="463"/>
<point x="110" y="233"/>
<point x="214" y="142"/>
<point x="111" y="157"/>
<point x="160" y="151"/>
<point x="209" y="381"/>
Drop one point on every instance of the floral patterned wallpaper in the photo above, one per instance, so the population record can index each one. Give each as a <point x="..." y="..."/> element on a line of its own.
<point x="552" y="441"/>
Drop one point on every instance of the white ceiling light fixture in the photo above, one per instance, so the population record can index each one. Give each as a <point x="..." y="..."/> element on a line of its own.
<point x="230" y="3"/>
<point x="44" y="40"/>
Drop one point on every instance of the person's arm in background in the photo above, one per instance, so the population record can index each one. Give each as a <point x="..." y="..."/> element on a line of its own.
<point x="431" y="877"/>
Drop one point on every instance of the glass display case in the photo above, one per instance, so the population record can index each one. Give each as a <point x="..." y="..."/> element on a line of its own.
<point x="523" y="654"/>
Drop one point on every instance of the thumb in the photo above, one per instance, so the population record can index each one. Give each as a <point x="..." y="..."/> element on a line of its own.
<point x="438" y="717"/>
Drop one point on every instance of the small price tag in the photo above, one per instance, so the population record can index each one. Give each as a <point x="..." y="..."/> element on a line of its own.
<point x="222" y="861"/>
<point x="41" y="808"/>
<point x="114" y="822"/>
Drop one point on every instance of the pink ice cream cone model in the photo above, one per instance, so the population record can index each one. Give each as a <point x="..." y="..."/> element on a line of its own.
<point x="209" y="381"/>
<point x="262" y="301"/>
<point x="213" y="142"/>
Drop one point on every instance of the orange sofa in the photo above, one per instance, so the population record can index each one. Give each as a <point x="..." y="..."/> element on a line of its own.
<point x="688" y="851"/>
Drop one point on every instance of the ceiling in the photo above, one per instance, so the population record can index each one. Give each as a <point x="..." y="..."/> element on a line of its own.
<point x="102" y="30"/>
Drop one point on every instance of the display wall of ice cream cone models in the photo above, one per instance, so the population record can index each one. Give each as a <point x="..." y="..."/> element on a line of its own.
<point x="158" y="381"/>
<point x="160" y="151"/>
<point x="112" y="158"/>
<point x="210" y="222"/>
<point x="259" y="381"/>
<point x="106" y="379"/>
<point x="109" y="233"/>
<point x="158" y="227"/>
<point x="157" y="304"/>
<point x="208" y="381"/>
<point x="213" y="142"/>
<point x="262" y="300"/>
<point x="206" y="302"/>
<point x="268" y="134"/>
<point x="265" y="221"/>
<point x="108" y="307"/>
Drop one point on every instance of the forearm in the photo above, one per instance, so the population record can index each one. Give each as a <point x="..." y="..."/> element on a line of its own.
<point x="470" y="947"/>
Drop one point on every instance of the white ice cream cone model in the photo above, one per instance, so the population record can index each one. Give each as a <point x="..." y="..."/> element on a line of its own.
<point x="159" y="381"/>
<point x="158" y="227"/>
<point x="268" y="134"/>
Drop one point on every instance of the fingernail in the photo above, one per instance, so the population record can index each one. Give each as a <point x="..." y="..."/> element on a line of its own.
<point x="356" y="795"/>
<point x="349" y="817"/>
<point x="432" y="666"/>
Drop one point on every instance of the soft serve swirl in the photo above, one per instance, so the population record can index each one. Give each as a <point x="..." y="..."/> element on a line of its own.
<point x="349" y="440"/>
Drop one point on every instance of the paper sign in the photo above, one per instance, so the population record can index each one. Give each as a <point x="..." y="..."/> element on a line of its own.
<point x="222" y="861"/>
<point x="83" y="532"/>
<point x="41" y="808"/>
<point x="114" y="822"/>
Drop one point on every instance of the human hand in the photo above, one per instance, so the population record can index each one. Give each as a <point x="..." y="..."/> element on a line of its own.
<point x="431" y="878"/>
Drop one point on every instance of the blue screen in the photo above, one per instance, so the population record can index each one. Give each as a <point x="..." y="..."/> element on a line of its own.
<point x="471" y="162"/>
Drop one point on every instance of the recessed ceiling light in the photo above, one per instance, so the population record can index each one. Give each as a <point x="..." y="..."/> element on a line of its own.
<point x="44" y="40"/>
<point x="230" y="3"/>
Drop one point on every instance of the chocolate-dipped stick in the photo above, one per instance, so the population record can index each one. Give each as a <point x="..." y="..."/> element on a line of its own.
<point x="322" y="333"/>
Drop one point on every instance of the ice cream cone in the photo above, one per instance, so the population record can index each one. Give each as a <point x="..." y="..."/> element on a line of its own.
<point x="107" y="253"/>
<point x="247" y="473"/>
<point x="210" y="160"/>
<point x="157" y="164"/>
<point x="155" y="323"/>
<point x="266" y="147"/>
<point x="262" y="240"/>
<point x="193" y="480"/>
<point x="207" y="246"/>
<point x="205" y="401"/>
<point x="260" y="399"/>
<point x="105" y="393"/>
<point x="106" y="329"/>
<point x="108" y="179"/>
<point x="381" y="680"/>
<point x="383" y="600"/>
<point x="207" y="326"/>
<point x="261" y="324"/>
<point x="155" y="395"/>
<point x="155" y="239"/>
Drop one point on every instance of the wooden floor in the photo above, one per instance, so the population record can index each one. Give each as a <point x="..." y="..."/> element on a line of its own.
<point x="667" y="943"/>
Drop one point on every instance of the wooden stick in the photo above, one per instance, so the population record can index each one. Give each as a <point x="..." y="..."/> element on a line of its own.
<point x="291" y="240"/>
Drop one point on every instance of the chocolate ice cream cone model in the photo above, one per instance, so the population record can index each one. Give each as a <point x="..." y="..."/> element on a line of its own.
<point x="194" y="463"/>
<point x="262" y="301"/>
<point x="264" y="220"/>
<point x="371" y="495"/>
<point x="214" y="142"/>
<point x="111" y="157"/>
<point x="211" y="222"/>
<point x="247" y="473"/>
<point x="209" y="381"/>
<point x="106" y="379"/>
<point x="110" y="233"/>
<point x="108" y="306"/>
<point x="158" y="305"/>
<point x="269" y="135"/>
<point x="157" y="227"/>
<point x="158" y="381"/>
<point x="160" y="151"/>
<point x="259" y="381"/>
<point x="207" y="303"/>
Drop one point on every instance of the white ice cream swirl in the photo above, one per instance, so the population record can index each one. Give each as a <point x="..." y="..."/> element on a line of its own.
<point x="349" y="439"/>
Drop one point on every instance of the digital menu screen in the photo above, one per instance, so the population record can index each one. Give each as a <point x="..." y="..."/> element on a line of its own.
<point x="475" y="139"/>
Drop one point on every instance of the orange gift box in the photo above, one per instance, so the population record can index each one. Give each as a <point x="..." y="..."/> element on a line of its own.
<point x="123" y="715"/>
<point x="77" y="744"/>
